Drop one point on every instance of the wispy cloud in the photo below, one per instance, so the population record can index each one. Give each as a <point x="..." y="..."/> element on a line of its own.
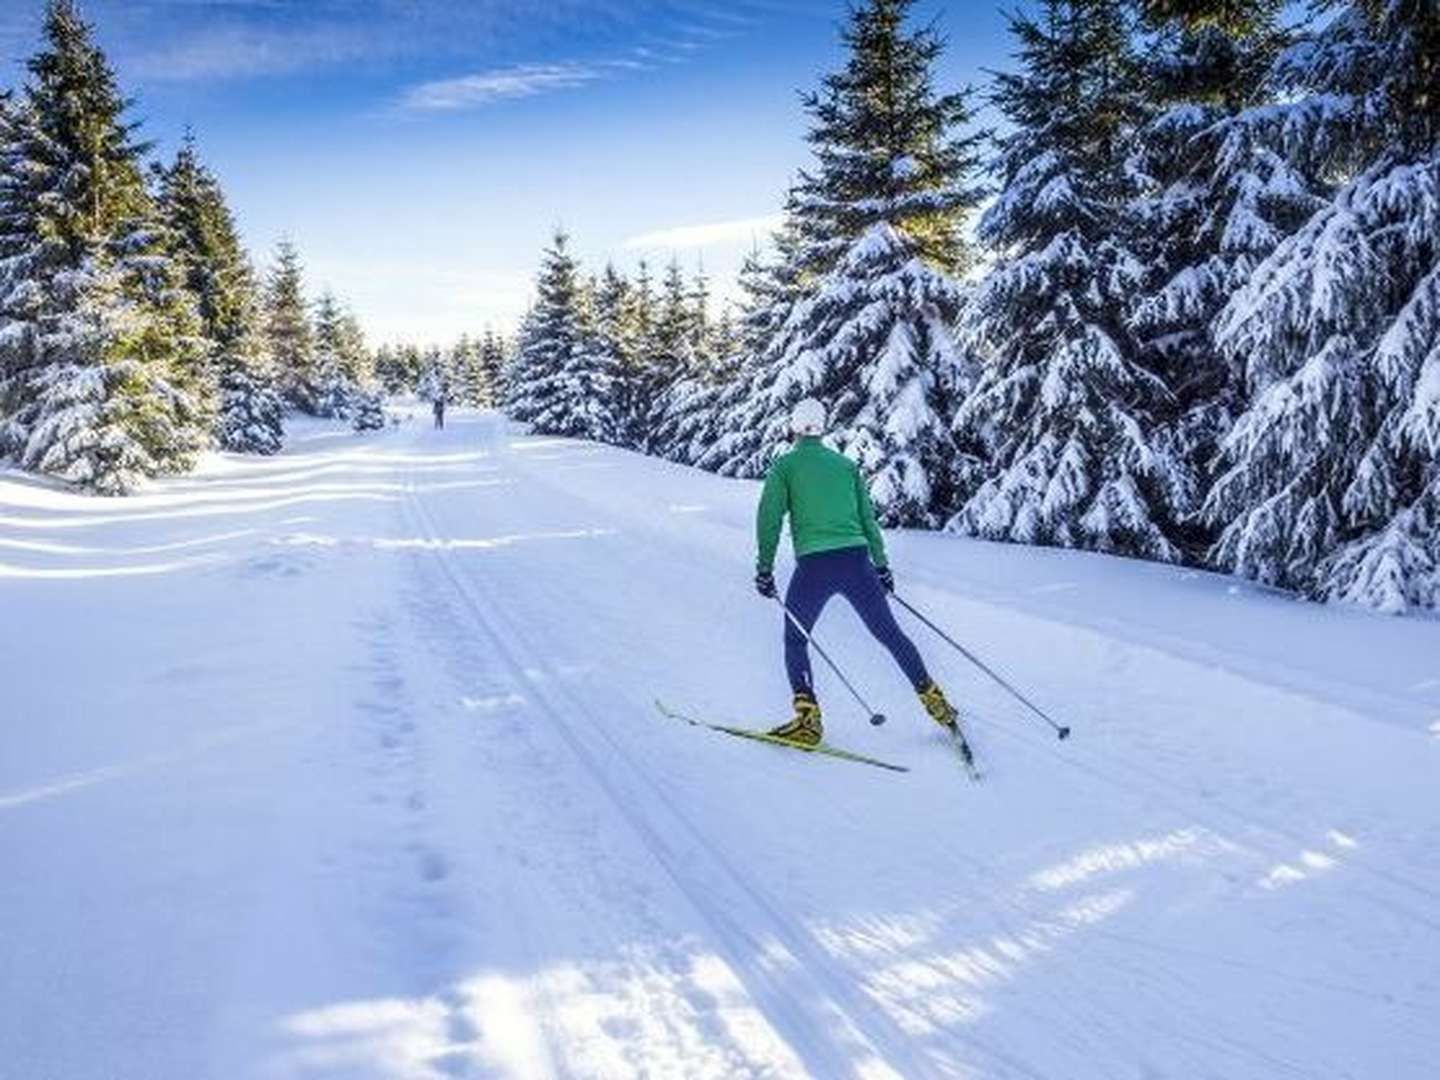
<point x="238" y="51"/>
<point x="180" y="41"/>
<point x="705" y="235"/>
<point x="498" y="84"/>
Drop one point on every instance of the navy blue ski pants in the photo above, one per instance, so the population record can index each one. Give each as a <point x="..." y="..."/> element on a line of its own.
<point x="848" y="573"/>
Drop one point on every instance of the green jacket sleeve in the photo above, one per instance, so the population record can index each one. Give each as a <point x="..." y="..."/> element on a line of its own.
<point x="868" y="523"/>
<point x="774" y="502"/>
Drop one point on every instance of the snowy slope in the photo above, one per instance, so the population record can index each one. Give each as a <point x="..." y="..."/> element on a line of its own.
<point x="344" y="764"/>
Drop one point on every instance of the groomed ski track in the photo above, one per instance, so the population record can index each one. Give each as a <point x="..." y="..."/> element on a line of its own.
<point x="362" y="778"/>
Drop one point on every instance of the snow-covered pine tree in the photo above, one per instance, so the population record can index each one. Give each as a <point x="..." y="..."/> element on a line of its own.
<point x="462" y="362"/>
<point x="388" y="371"/>
<point x="205" y="243"/>
<point x="490" y="363"/>
<point x="877" y="340"/>
<point x="356" y="361"/>
<point x="1329" y="482"/>
<point x="20" y="264"/>
<point x="367" y="410"/>
<point x="107" y="379"/>
<point x="625" y="319"/>
<point x="580" y="389"/>
<point x="700" y="347"/>
<point x="435" y="383"/>
<point x="723" y="345"/>
<point x="888" y="148"/>
<point x="555" y="383"/>
<point x="411" y="366"/>
<point x="333" y="384"/>
<point x="288" y="332"/>
<point x="711" y="444"/>
<point x="1215" y="199"/>
<point x="878" y="226"/>
<point x="1063" y="419"/>
<point x="682" y="385"/>
<point x="612" y="339"/>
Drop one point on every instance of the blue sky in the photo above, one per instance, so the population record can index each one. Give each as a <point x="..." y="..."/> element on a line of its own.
<point x="421" y="151"/>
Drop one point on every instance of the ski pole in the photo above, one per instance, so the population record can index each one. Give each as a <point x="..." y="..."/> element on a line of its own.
<point x="1061" y="730"/>
<point x="876" y="718"/>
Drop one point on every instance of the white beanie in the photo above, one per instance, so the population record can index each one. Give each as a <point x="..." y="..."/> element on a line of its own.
<point x="807" y="417"/>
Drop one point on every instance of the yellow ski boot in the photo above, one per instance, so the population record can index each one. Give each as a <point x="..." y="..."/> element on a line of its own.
<point x="805" y="728"/>
<point x="940" y="710"/>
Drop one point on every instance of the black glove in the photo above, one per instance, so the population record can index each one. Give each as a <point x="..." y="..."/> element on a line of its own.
<point x="887" y="578"/>
<point x="765" y="584"/>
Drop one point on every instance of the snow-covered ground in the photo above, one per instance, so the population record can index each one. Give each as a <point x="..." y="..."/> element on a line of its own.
<point x="345" y="764"/>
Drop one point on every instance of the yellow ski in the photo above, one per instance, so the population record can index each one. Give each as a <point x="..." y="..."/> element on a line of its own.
<point x="775" y="740"/>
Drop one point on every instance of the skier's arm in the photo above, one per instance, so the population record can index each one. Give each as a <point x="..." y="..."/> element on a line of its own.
<point x="868" y="523"/>
<point x="774" y="501"/>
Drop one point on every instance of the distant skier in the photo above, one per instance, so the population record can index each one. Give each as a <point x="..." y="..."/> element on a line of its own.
<point x="438" y="408"/>
<point x="838" y="550"/>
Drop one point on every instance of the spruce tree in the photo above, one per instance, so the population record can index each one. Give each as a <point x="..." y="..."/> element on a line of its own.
<point x="610" y="343"/>
<point x="888" y="148"/>
<point x="1329" y="481"/>
<point x="876" y="340"/>
<point x="673" y="373"/>
<point x="387" y="369"/>
<point x="367" y="411"/>
<point x="1215" y="199"/>
<point x="435" y="383"/>
<point x="864" y="297"/>
<point x="357" y="363"/>
<point x="686" y="423"/>
<point x="490" y="363"/>
<point x="21" y="259"/>
<point x="637" y="311"/>
<point x="700" y="347"/>
<point x="411" y="366"/>
<point x="580" y="389"/>
<point x="106" y="377"/>
<point x="334" y="384"/>
<point x="1061" y="423"/>
<point x="555" y="383"/>
<point x="288" y="331"/>
<point x="204" y="241"/>
<point x="462" y="363"/>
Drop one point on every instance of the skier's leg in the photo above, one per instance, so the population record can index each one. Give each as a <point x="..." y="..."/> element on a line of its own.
<point x="861" y="586"/>
<point x="810" y="587"/>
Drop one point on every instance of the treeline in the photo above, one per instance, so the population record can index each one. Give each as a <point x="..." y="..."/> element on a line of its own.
<point x="1196" y="319"/>
<point x="466" y="373"/>
<point x="134" y="333"/>
<point x="616" y="359"/>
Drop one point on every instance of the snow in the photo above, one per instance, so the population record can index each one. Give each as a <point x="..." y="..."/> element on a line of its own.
<point x="343" y="763"/>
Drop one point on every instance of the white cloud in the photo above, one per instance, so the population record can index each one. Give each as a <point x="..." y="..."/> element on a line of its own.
<point x="239" y="51"/>
<point x="706" y="235"/>
<point x="482" y="88"/>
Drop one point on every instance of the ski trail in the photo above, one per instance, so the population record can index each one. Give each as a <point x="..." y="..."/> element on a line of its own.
<point x="646" y="549"/>
<point x="650" y="551"/>
<point x="378" y="790"/>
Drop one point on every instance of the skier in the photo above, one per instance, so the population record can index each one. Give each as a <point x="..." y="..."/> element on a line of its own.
<point x="438" y="407"/>
<point x="838" y="549"/>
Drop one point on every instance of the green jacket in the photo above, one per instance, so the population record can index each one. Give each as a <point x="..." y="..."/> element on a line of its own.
<point x="827" y="500"/>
